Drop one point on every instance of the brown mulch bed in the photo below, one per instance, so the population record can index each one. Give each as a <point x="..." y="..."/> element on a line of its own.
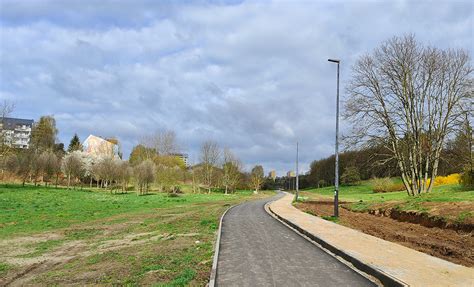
<point x="448" y="244"/>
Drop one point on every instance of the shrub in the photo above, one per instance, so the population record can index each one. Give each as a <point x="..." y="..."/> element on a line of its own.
<point x="385" y="184"/>
<point x="321" y="183"/>
<point x="350" y="176"/>
<point x="454" y="178"/>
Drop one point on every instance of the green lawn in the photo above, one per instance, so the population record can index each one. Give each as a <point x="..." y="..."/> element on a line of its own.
<point x="31" y="209"/>
<point x="363" y="197"/>
<point x="364" y="192"/>
<point x="120" y="239"/>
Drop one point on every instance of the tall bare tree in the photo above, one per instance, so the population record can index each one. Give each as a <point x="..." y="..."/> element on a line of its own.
<point x="163" y="142"/>
<point x="410" y="97"/>
<point x="231" y="168"/>
<point x="257" y="177"/>
<point x="209" y="157"/>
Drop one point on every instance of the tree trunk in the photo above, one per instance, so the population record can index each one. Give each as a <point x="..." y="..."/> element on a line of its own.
<point x="68" y="181"/>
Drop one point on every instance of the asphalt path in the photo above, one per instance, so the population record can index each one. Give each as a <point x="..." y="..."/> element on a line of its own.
<point x="258" y="250"/>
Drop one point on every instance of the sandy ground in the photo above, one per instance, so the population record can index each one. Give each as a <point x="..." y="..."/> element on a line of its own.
<point x="448" y="244"/>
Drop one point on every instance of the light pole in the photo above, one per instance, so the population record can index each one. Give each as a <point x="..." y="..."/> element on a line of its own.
<point x="336" y="180"/>
<point x="297" y="176"/>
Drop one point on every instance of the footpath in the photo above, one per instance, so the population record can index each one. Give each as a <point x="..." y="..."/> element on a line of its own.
<point x="391" y="263"/>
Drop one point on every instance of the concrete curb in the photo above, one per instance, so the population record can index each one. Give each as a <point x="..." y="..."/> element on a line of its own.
<point x="384" y="278"/>
<point x="212" y="278"/>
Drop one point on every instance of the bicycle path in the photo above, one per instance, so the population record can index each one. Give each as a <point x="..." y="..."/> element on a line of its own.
<point x="258" y="250"/>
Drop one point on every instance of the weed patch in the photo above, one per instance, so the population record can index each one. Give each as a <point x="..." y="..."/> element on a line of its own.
<point x="43" y="247"/>
<point x="4" y="267"/>
<point x="331" y="218"/>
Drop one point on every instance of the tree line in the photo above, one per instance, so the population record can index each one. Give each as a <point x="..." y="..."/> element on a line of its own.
<point x="152" y="163"/>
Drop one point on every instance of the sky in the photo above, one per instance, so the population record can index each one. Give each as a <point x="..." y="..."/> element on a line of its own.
<point x="251" y="75"/>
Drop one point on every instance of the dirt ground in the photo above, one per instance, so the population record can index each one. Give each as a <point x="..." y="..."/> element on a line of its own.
<point x="448" y="244"/>
<point x="105" y="253"/>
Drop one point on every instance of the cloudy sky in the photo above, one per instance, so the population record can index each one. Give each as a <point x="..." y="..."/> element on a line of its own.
<point x="251" y="75"/>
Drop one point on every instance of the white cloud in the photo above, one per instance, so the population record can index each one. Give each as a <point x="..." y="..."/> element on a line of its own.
<point x="252" y="76"/>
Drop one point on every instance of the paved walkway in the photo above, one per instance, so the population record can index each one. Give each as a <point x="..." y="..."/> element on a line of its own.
<point x="407" y="265"/>
<point x="258" y="250"/>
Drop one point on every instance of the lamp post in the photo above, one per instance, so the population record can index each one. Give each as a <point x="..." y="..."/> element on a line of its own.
<point x="336" y="180"/>
<point x="297" y="176"/>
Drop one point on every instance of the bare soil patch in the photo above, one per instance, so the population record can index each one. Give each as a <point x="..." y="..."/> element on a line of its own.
<point x="452" y="245"/>
<point x="99" y="252"/>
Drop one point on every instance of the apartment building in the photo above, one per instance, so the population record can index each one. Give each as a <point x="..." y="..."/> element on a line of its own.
<point x="16" y="132"/>
<point x="183" y="157"/>
<point x="272" y="175"/>
<point x="98" y="146"/>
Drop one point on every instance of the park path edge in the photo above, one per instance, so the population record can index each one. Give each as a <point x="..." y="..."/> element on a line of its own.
<point x="365" y="269"/>
<point x="213" y="276"/>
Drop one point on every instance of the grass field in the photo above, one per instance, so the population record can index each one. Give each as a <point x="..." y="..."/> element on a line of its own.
<point x="54" y="236"/>
<point x="362" y="198"/>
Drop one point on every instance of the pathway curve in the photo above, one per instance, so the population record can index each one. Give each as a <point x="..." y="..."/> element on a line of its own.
<point x="258" y="250"/>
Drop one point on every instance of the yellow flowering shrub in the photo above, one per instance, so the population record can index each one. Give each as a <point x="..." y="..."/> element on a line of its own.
<point x="449" y="179"/>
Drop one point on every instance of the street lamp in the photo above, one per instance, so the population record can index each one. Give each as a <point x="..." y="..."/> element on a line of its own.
<point x="336" y="181"/>
<point x="297" y="176"/>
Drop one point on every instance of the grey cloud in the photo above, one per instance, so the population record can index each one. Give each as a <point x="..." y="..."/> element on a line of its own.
<point x="251" y="75"/>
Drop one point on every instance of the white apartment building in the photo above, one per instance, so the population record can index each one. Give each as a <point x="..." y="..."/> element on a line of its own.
<point x="16" y="132"/>
<point x="183" y="157"/>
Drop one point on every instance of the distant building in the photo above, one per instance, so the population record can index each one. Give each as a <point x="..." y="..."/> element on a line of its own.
<point x="290" y="174"/>
<point x="272" y="174"/>
<point x="16" y="132"/>
<point x="183" y="157"/>
<point x="98" y="146"/>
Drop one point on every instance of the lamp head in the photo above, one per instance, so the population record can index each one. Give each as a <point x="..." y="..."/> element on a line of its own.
<point x="334" y="60"/>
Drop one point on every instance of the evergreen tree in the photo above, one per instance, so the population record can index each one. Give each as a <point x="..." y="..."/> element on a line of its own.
<point x="75" y="144"/>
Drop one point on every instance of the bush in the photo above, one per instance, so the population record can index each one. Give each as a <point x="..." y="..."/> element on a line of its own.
<point x="454" y="178"/>
<point x="350" y="176"/>
<point x="321" y="183"/>
<point x="385" y="184"/>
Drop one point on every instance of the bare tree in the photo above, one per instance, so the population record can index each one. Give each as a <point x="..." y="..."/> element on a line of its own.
<point x="231" y="168"/>
<point x="409" y="97"/>
<point x="144" y="175"/>
<point x="257" y="177"/>
<point x="163" y="142"/>
<point x="108" y="171"/>
<point x="20" y="164"/>
<point x="6" y="108"/>
<point x="36" y="168"/>
<point x="71" y="167"/>
<point x="209" y="157"/>
<point x="48" y="162"/>
<point x="124" y="174"/>
<point x="196" y="177"/>
<point x="12" y="164"/>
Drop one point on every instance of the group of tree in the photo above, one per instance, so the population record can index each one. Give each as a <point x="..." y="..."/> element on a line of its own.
<point x="411" y="104"/>
<point x="217" y="168"/>
<point x="376" y="162"/>
<point x="154" y="161"/>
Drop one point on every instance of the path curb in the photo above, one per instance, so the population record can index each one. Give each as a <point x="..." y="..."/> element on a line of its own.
<point x="384" y="278"/>
<point x="212" y="278"/>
